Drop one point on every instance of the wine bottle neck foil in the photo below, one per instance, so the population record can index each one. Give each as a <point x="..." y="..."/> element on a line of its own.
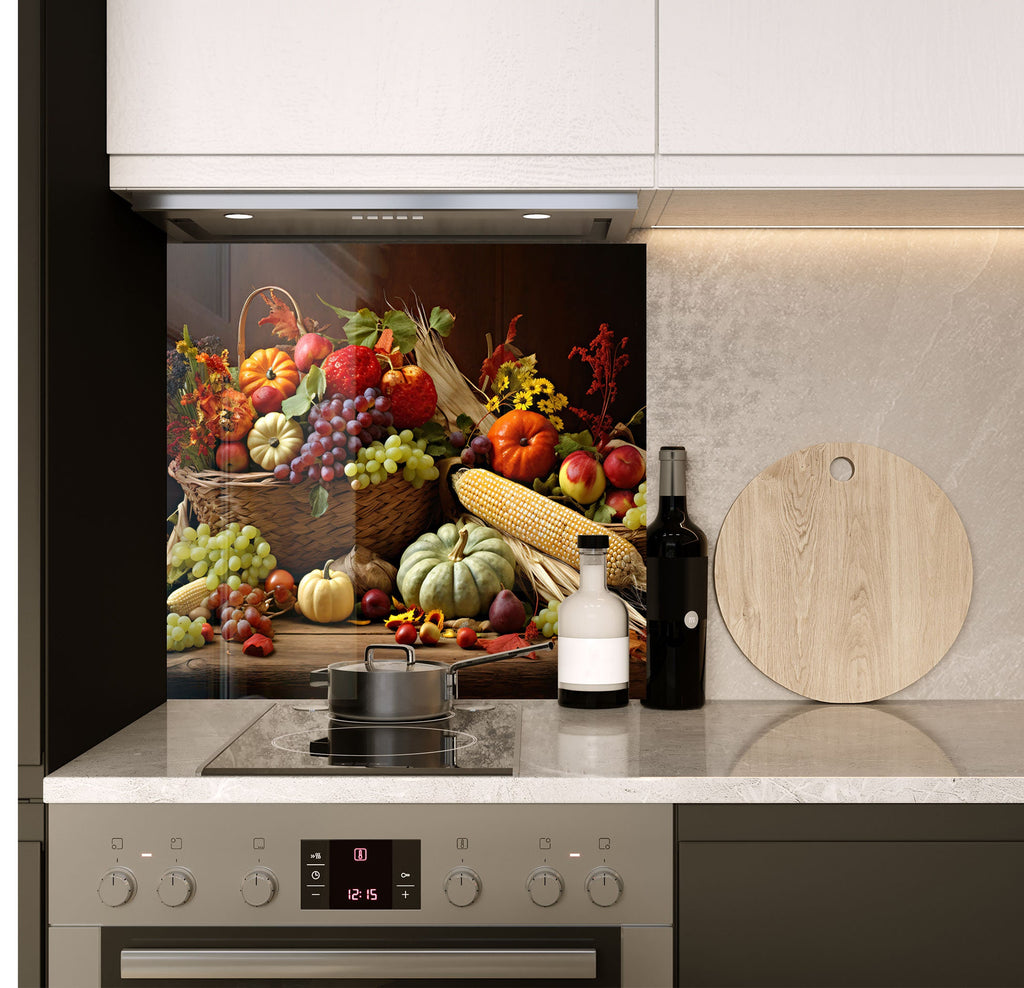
<point x="672" y="476"/>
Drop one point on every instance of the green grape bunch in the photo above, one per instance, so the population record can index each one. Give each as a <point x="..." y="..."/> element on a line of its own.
<point x="635" y="517"/>
<point x="547" y="619"/>
<point x="183" y="632"/>
<point x="235" y="555"/>
<point x="379" y="460"/>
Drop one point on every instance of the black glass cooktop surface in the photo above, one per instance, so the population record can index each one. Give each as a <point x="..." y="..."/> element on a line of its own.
<point x="479" y="737"/>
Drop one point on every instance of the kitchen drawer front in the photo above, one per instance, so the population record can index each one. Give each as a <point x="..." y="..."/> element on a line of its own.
<point x="849" y="913"/>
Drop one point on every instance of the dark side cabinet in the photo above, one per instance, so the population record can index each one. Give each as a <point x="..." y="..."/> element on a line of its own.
<point x="864" y="895"/>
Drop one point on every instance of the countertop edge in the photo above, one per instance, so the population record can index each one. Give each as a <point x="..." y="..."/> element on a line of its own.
<point x="535" y="789"/>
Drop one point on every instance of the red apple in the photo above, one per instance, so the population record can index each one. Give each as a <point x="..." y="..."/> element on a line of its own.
<point x="625" y="467"/>
<point x="232" y="457"/>
<point x="267" y="399"/>
<point x="619" y="501"/>
<point x="310" y="349"/>
<point x="375" y="604"/>
<point x="581" y="477"/>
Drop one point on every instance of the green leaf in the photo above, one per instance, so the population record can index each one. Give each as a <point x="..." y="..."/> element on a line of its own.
<point x="638" y="417"/>
<point x="318" y="500"/>
<point x="315" y="382"/>
<point x="298" y="404"/>
<point x="546" y="486"/>
<point x="440" y="449"/>
<point x="340" y="313"/>
<point x="432" y="431"/>
<point x="570" y="442"/>
<point x="464" y="423"/>
<point x="362" y="328"/>
<point x="603" y="514"/>
<point x="441" y="320"/>
<point x="402" y="328"/>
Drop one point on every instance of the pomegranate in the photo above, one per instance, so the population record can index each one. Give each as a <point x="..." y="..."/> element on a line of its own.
<point x="412" y="393"/>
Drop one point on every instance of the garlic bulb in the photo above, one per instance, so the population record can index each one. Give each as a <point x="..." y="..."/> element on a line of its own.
<point x="367" y="570"/>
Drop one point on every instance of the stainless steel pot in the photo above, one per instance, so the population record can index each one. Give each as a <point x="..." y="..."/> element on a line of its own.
<point x="395" y="690"/>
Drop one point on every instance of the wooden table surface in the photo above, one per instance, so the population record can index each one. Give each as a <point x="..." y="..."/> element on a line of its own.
<point x="221" y="670"/>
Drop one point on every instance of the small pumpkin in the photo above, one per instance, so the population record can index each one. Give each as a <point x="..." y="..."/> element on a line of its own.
<point x="523" y="445"/>
<point x="274" y="439"/>
<point x="271" y="366"/>
<point x="233" y="415"/>
<point x="458" y="570"/>
<point x="325" y="595"/>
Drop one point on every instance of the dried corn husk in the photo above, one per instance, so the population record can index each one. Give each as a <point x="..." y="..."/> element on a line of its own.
<point x="456" y="395"/>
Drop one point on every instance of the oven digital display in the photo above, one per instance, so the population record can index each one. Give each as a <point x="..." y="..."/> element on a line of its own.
<point x="360" y="874"/>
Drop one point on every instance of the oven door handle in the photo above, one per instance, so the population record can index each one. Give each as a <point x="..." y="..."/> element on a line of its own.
<point x="447" y="965"/>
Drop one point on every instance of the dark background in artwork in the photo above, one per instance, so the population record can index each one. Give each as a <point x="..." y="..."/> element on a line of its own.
<point x="564" y="293"/>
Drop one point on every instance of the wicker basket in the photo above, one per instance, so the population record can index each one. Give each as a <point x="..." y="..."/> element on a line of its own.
<point x="384" y="518"/>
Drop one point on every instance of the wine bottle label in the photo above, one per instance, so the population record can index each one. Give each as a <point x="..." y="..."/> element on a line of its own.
<point x="590" y="664"/>
<point x="677" y="589"/>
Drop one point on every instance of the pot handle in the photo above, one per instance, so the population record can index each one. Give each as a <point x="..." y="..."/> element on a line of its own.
<point x="318" y="677"/>
<point x="410" y="655"/>
<point x="477" y="660"/>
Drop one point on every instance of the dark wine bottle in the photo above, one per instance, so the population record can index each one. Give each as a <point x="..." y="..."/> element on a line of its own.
<point x="677" y="594"/>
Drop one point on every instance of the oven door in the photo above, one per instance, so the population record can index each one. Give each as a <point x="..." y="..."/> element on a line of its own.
<point x="399" y="956"/>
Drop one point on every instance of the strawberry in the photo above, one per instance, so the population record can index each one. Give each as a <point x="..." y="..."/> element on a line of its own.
<point x="412" y="393"/>
<point x="351" y="370"/>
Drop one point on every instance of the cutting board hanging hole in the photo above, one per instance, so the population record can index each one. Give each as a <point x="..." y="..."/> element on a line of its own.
<point x="841" y="468"/>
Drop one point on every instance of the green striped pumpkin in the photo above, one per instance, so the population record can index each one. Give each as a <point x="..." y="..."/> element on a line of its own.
<point x="459" y="569"/>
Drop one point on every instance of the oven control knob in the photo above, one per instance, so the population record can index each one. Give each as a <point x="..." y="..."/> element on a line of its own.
<point x="545" y="886"/>
<point x="462" y="886"/>
<point x="117" y="887"/>
<point x="604" y="887"/>
<point x="259" y="886"/>
<point x="176" y="887"/>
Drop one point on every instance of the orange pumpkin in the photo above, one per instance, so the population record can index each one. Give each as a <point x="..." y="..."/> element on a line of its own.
<point x="523" y="446"/>
<point x="233" y="416"/>
<point x="271" y="366"/>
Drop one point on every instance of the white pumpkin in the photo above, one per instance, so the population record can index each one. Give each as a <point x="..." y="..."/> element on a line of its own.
<point x="274" y="439"/>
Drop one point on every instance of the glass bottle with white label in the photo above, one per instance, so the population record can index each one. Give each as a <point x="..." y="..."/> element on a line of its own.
<point x="593" y="636"/>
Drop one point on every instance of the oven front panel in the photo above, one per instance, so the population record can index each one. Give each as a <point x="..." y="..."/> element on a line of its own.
<point x="569" y="956"/>
<point x="311" y="865"/>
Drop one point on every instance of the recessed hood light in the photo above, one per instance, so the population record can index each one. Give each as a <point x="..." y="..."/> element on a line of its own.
<point x="568" y="216"/>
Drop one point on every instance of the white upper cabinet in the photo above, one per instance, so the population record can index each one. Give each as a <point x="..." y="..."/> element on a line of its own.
<point x="865" y="77"/>
<point x="389" y="77"/>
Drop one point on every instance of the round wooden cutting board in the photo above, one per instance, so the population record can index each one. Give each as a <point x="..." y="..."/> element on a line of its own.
<point x="843" y="590"/>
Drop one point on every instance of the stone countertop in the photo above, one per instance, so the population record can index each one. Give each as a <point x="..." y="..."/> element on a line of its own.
<point x="968" y="751"/>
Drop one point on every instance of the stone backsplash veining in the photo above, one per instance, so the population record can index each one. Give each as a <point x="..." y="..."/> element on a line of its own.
<point x="761" y="342"/>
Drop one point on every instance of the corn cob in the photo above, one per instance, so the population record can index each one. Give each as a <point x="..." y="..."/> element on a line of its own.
<point x="185" y="599"/>
<point x="543" y="524"/>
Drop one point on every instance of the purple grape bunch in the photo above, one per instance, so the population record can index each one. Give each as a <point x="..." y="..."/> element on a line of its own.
<point x="477" y="452"/>
<point x="339" y="428"/>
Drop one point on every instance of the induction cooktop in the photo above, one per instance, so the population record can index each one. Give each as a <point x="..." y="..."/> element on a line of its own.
<point x="295" y="737"/>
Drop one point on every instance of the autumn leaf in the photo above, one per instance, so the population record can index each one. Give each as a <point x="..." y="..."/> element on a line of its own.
<point x="281" y="317"/>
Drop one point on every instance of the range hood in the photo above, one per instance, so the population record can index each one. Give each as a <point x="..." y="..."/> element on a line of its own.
<point x="568" y="217"/>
